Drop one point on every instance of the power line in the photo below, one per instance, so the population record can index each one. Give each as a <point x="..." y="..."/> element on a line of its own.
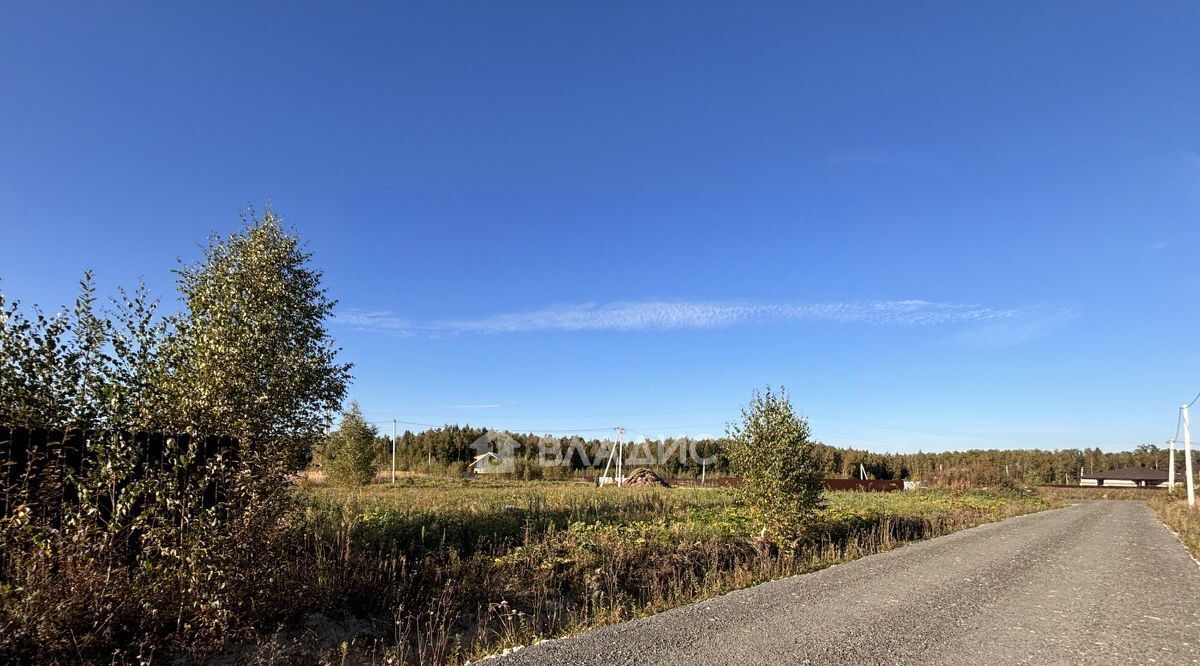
<point x="1194" y="400"/>
<point x="822" y="438"/>
<point x="413" y="423"/>
<point x="624" y="415"/>
<point x="991" y="438"/>
<point x="516" y="430"/>
<point x="898" y="428"/>
<point x="819" y="417"/>
<point x="875" y="424"/>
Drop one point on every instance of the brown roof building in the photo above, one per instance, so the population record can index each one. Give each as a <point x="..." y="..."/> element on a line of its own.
<point x="1143" y="477"/>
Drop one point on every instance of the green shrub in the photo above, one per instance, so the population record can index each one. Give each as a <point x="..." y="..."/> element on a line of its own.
<point x="781" y="479"/>
<point x="351" y="451"/>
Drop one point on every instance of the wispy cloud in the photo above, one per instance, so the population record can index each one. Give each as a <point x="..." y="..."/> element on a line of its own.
<point x="676" y="315"/>
<point x="1014" y="331"/>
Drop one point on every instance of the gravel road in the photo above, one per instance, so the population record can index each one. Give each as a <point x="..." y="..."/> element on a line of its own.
<point x="1101" y="582"/>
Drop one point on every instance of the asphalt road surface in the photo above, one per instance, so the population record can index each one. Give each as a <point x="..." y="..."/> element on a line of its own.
<point x="1102" y="582"/>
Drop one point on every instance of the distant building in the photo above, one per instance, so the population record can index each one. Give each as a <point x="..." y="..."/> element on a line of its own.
<point x="480" y="463"/>
<point x="1129" y="477"/>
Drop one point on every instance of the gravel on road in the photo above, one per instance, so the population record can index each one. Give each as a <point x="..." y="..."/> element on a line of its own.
<point x="1100" y="582"/>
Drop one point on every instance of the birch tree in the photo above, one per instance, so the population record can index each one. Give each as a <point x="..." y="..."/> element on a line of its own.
<point x="251" y="356"/>
<point x="781" y="475"/>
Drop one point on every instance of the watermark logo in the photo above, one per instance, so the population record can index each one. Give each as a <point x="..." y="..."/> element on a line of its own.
<point x="495" y="453"/>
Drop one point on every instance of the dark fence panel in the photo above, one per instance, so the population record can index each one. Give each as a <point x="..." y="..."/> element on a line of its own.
<point x="866" y="486"/>
<point x="41" y="467"/>
<point x="1078" y="487"/>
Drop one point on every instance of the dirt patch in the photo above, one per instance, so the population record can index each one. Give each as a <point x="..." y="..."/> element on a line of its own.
<point x="318" y="639"/>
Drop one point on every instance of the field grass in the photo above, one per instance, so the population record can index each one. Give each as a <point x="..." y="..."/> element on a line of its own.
<point x="459" y="569"/>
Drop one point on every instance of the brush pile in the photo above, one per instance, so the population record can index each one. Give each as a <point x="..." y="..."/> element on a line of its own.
<point x="644" y="478"/>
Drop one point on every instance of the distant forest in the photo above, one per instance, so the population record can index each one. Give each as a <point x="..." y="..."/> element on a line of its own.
<point x="450" y="447"/>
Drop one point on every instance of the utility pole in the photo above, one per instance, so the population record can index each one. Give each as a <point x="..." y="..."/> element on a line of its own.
<point x="621" y="456"/>
<point x="1187" y="458"/>
<point x="1171" y="466"/>
<point x="393" y="451"/>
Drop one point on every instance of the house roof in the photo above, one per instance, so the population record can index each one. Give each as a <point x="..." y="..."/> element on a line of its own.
<point x="483" y="456"/>
<point x="1130" y="474"/>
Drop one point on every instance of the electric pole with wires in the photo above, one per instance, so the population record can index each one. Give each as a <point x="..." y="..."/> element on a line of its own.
<point x="1187" y="456"/>
<point x="620" y="456"/>
<point x="1171" y="467"/>
<point x="617" y="451"/>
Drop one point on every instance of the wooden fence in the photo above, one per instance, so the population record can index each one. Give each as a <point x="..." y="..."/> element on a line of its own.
<point x="40" y="468"/>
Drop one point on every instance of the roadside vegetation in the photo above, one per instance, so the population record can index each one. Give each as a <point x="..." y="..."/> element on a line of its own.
<point x="457" y="569"/>
<point x="124" y="535"/>
<point x="1173" y="510"/>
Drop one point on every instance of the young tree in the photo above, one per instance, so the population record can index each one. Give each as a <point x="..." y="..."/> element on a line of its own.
<point x="251" y="357"/>
<point x="781" y="476"/>
<point x="134" y="396"/>
<point x="193" y="538"/>
<point x="352" y="450"/>
<point x="55" y="369"/>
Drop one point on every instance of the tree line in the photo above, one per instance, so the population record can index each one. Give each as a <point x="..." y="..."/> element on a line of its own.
<point x="449" y="447"/>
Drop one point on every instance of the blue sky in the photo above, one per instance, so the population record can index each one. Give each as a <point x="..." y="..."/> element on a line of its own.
<point x="939" y="225"/>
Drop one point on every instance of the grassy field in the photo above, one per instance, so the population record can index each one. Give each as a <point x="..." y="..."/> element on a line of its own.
<point x="455" y="570"/>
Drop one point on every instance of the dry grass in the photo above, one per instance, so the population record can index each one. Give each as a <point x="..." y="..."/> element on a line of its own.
<point x="461" y="569"/>
<point x="444" y="570"/>
<point x="1173" y="510"/>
